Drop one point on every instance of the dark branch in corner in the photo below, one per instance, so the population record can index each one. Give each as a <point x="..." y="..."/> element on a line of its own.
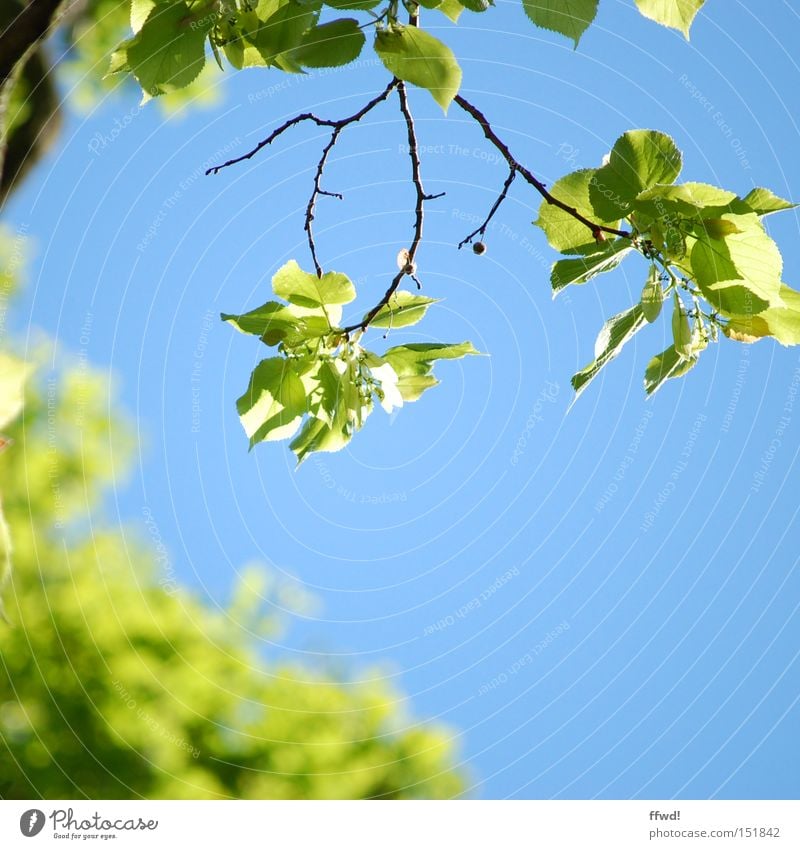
<point x="515" y="167"/>
<point x="419" y="214"/>
<point x="503" y="195"/>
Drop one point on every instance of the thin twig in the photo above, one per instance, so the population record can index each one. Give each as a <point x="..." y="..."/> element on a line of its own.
<point x="308" y="116"/>
<point x="318" y="190"/>
<point x="596" y="229"/>
<point x="419" y="214"/>
<point x="503" y="194"/>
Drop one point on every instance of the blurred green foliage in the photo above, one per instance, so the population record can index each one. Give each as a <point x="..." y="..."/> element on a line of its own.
<point x="117" y="682"/>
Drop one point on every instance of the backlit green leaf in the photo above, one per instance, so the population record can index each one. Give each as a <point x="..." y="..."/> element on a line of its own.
<point x="169" y="51"/>
<point x="764" y="202"/>
<point x="677" y="14"/>
<point x="329" y="45"/>
<point x="781" y="322"/>
<point x="567" y="17"/>
<point x="307" y="290"/>
<point x="274" y="403"/>
<point x="404" y="309"/>
<point x="741" y="273"/>
<point x="639" y="159"/>
<point x="668" y="364"/>
<point x="563" y="231"/>
<point x="616" y="332"/>
<point x="583" y="269"/>
<point x="417" y="57"/>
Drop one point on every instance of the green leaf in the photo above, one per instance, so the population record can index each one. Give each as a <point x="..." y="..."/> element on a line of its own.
<point x="417" y="358"/>
<point x="411" y="386"/>
<point x="477" y="5"/>
<point x="272" y="321"/>
<point x="316" y="435"/>
<point x="681" y="329"/>
<point x="764" y="202"/>
<point x="652" y="297"/>
<point x="583" y="269"/>
<point x="639" y="159"/>
<point x="413" y="55"/>
<point x="168" y="53"/>
<point x="352" y="4"/>
<point x="307" y="290"/>
<point x="278" y="36"/>
<point x="741" y="273"/>
<point x="782" y="322"/>
<point x="667" y="365"/>
<point x="274" y="403"/>
<point x="567" y="17"/>
<point x="686" y="199"/>
<point x="616" y="332"/>
<point x="404" y="309"/>
<point x="677" y="14"/>
<point x="140" y="10"/>
<point x="330" y="45"/>
<point x="451" y="9"/>
<point x="563" y="231"/>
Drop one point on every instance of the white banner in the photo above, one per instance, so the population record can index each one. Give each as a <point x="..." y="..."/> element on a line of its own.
<point x="405" y="825"/>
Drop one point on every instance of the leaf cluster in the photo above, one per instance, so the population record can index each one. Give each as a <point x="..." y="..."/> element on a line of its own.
<point x="322" y="384"/>
<point x="707" y="252"/>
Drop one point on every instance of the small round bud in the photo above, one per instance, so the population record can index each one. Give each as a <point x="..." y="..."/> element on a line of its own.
<point x="479" y="248"/>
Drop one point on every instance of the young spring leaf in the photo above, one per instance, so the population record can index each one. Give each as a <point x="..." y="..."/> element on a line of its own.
<point x="765" y="202"/>
<point x="652" y="296"/>
<point x="616" y="332"/>
<point x="274" y="403"/>
<point x="639" y="159"/>
<point x="451" y="9"/>
<point x="677" y="14"/>
<point x="782" y="322"/>
<point x="307" y="290"/>
<point x="477" y="5"/>
<point x="271" y="321"/>
<point x="563" y="231"/>
<point x="168" y="52"/>
<point x="140" y="10"/>
<point x="403" y="310"/>
<point x="360" y="5"/>
<point x="417" y="57"/>
<point x="567" y="17"/>
<point x="582" y="269"/>
<point x="330" y="45"/>
<point x="739" y="274"/>
<point x="692" y="200"/>
<point x="681" y="330"/>
<point x="667" y="365"/>
<point x="414" y="363"/>
<point x="278" y="36"/>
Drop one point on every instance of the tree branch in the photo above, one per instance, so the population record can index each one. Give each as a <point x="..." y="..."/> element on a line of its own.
<point x="337" y="126"/>
<point x="318" y="190"/>
<point x="503" y="194"/>
<point x="419" y="214"/>
<point x="596" y="229"/>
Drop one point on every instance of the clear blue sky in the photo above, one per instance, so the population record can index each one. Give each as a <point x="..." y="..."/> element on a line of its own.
<point x="636" y="626"/>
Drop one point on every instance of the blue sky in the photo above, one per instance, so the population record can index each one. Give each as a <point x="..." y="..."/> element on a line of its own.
<point x="601" y="602"/>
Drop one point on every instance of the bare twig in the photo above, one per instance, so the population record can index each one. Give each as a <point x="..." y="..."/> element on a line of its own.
<point x="596" y="229"/>
<point x="309" y="116"/>
<point x="503" y="194"/>
<point x="318" y="190"/>
<point x="419" y="214"/>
